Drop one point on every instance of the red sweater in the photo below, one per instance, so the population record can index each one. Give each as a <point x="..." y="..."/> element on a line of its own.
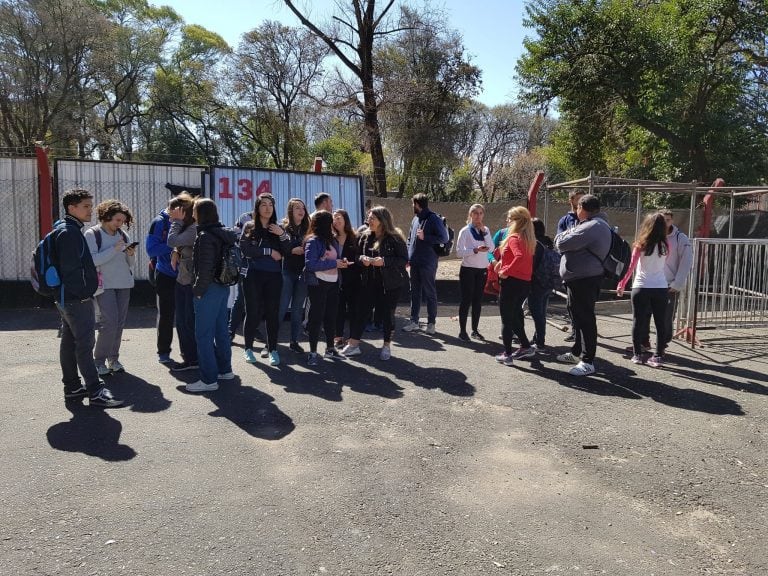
<point x="516" y="261"/>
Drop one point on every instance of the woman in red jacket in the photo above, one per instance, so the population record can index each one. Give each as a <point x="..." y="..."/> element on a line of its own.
<point x="515" y="268"/>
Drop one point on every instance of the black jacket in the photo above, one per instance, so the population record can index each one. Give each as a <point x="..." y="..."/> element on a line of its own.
<point x="294" y="263"/>
<point x="74" y="262"/>
<point x="395" y="253"/>
<point x="207" y="253"/>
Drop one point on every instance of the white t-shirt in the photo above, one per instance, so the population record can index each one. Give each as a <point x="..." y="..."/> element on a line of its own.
<point x="650" y="271"/>
<point x="331" y="275"/>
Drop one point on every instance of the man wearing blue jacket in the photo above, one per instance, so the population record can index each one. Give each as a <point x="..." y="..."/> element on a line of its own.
<point x="74" y="301"/>
<point x="427" y="232"/>
<point x="157" y="247"/>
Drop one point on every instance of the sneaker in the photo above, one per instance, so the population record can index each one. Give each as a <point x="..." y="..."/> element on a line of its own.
<point x="201" y="386"/>
<point x="476" y="335"/>
<point x="350" y="350"/>
<point x="655" y="361"/>
<point x="463" y="336"/>
<point x="331" y="353"/>
<point x="312" y="359"/>
<point x="582" y="369"/>
<point x="570" y="338"/>
<point x="104" y="399"/>
<point x="296" y="347"/>
<point x="637" y="359"/>
<point x="164" y="358"/>
<point x="568" y="357"/>
<point x="521" y="353"/>
<point x="115" y="366"/>
<point x="274" y="358"/>
<point x="540" y="348"/>
<point x="103" y="370"/>
<point x="184" y="366"/>
<point x="264" y="353"/>
<point x="505" y="359"/>
<point x="78" y="394"/>
<point x="386" y="353"/>
<point x="227" y="376"/>
<point x="411" y="326"/>
<point x="430" y="328"/>
<point x="249" y="356"/>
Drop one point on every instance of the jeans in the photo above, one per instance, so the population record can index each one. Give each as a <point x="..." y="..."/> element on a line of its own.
<point x="582" y="295"/>
<point x="185" y="322"/>
<point x="214" y="348"/>
<point x="511" y="297"/>
<point x="538" y="301"/>
<point x="647" y="302"/>
<point x="166" y="303"/>
<point x="385" y="302"/>
<point x="324" y="302"/>
<point x="472" y="284"/>
<point x="294" y="293"/>
<point x="112" y="312"/>
<point x="78" y="336"/>
<point x="423" y="284"/>
<point x="262" y="298"/>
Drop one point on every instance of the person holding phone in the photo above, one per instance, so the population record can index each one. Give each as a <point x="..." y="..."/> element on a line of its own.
<point x="113" y="254"/>
<point x="473" y="245"/>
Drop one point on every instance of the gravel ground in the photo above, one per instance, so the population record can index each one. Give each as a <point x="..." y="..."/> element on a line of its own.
<point x="438" y="462"/>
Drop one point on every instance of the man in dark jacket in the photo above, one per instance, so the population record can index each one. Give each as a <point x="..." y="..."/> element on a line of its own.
<point x="74" y="264"/>
<point x="427" y="231"/>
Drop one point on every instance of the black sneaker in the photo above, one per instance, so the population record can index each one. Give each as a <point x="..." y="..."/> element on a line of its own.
<point x="331" y="352"/>
<point x="296" y="347"/>
<point x="477" y="336"/>
<point x="104" y="399"/>
<point x="570" y="338"/>
<point x="463" y="336"/>
<point x="78" y="394"/>
<point x="184" y="366"/>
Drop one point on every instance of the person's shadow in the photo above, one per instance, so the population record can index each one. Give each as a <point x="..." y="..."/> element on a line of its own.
<point x="249" y="409"/>
<point x="91" y="431"/>
<point x="137" y="393"/>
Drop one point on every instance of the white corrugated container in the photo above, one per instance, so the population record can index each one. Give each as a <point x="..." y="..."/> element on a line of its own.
<point x="18" y="216"/>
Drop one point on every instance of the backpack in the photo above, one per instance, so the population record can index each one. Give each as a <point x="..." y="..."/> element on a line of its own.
<point x="97" y="235"/>
<point x="547" y="272"/>
<point x="228" y="271"/>
<point x="446" y="248"/>
<point x="43" y="274"/>
<point x="618" y="258"/>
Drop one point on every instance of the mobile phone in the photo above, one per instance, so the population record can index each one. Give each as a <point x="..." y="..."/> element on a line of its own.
<point x="131" y="245"/>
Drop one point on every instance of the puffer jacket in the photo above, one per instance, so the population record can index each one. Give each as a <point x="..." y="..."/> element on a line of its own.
<point x="207" y="253"/>
<point x="395" y="253"/>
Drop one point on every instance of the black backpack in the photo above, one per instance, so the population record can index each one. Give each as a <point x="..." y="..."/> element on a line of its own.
<point x="43" y="274"/>
<point x="617" y="261"/>
<point x="547" y="272"/>
<point x="228" y="271"/>
<point x="446" y="248"/>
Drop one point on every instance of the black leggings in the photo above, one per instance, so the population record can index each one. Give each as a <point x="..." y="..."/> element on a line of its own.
<point x="262" y="297"/>
<point x="472" y="284"/>
<point x="323" y="308"/>
<point x="370" y="296"/>
<point x="513" y="293"/>
<point x="647" y="302"/>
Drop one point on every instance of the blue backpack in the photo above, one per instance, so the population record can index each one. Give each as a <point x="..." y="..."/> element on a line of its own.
<point x="43" y="273"/>
<point x="547" y="272"/>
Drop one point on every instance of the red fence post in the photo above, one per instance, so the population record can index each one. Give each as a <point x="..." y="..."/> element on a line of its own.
<point x="709" y="202"/>
<point x="44" y="191"/>
<point x="533" y="191"/>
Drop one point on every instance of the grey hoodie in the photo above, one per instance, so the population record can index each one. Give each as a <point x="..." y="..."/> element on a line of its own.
<point x="584" y="247"/>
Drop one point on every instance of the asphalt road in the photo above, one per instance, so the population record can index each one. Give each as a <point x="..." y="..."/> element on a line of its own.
<point x="438" y="462"/>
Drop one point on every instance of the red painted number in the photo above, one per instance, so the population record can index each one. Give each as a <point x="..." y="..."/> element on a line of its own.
<point x="224" y="188"/>
<point x="246" y="189"/>
<point x="264" y="188"/>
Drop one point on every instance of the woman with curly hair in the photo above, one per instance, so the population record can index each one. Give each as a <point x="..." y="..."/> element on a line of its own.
<point x="649" y="287"/>
<point x="114" y="256"/>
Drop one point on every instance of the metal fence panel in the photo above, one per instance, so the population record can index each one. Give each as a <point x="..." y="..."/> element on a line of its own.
<point x="19" y="217"/>
<point x="142" y="187"/>
<point x="235" y="189"/>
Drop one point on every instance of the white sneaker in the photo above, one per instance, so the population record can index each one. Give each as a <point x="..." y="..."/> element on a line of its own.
<point x="227" y="376"/>
<point x="411" y="326"/>
<point x="568" y="357"/>
<point x="201" y="386"/>
<point x="582" y="369"/>
<point x="386" y="353"/>
<point x="430" y="328"/>
<point x="115" y="366"/>
<point x="350" y="350"/>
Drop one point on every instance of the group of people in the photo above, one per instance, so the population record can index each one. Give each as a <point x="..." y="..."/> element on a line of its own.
<point x="317" y="265"/>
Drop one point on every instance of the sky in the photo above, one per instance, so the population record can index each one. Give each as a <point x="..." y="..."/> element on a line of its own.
<point x="492" y="30"/>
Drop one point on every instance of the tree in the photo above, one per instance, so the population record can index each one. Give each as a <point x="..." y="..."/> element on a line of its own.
<point x="352" y="39"/>
<point x="676" y="69"/>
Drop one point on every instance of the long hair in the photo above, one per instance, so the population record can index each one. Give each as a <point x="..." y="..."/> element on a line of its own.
<point x="474" y="208"/>
<point x="272" y="219"/>
<point x="321" y="226"/>
<point x="387" y="227"/>
<point x="520" y="223"/>
<point x="653" y="235"/>
<point x="185" y="202"/>
<point x="348" y="230"/>
<point x="288" y="223"/>
<point x="206" y="212"/>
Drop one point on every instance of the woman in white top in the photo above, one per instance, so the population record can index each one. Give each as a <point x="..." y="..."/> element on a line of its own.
<point x="473" y="245"/>
<point x="649" y="287"/>
<point x="113" y="255"/>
